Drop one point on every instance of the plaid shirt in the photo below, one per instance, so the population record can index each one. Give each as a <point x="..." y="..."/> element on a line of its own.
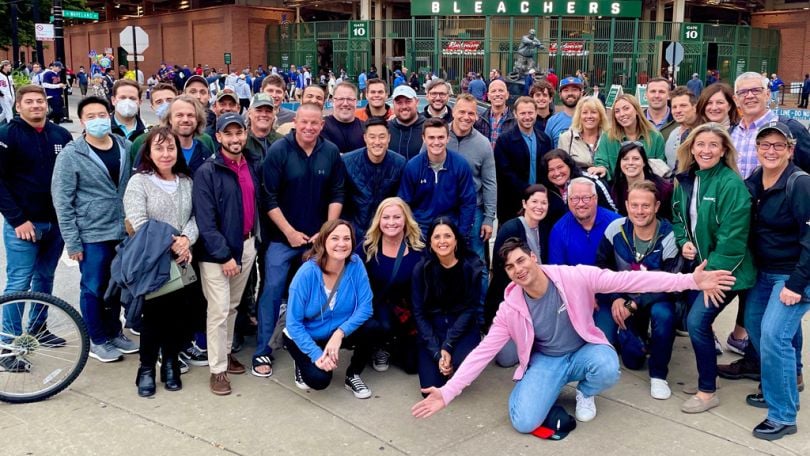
<point x="744" y="139"/>
<point x="497" y="128"/>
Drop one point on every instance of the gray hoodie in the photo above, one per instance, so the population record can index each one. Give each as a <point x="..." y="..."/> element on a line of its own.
<point x="88" y="205"/>
<point x="475" y="148"/>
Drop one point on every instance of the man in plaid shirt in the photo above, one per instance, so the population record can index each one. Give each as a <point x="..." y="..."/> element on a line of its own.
<point x="498" y="118"/>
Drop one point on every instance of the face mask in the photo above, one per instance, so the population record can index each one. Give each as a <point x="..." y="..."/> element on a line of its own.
<point x="126" y="108"/>
<point x="162" y="110"/>
<point x="98" y="127"/>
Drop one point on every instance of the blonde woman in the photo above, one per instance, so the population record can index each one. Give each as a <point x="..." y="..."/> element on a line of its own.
<point x="628" y="124"/>
<point x="581" y="141"/>
<point x="711" y="210"/>
<point x="391" y="249"/>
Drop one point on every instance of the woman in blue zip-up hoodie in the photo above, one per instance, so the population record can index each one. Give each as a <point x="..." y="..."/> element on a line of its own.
<point x="329" y="300"/>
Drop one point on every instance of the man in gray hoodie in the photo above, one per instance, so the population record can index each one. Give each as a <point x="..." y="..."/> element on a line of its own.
<point x="475" y="148"/>
<point x="89" y="180"/>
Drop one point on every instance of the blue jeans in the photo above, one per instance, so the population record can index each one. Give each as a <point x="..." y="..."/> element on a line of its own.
<point x="594" y="366"/>
<point x="30" y="266"/>
<point x="775" y="331"/>
<point x="277" y="263"/>
<point x="478" y="246"/>
<point x="100" y="315"/>
<point x="699" y="323"/>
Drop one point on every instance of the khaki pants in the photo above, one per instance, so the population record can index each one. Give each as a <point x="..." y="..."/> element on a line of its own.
<point x="223" y="295"/>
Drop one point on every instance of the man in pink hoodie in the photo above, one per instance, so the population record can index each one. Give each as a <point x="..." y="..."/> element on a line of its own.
<point x="547" y="311"/>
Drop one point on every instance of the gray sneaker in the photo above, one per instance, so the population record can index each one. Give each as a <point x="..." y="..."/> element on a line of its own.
<point x="124" y="344"/>
<point x="106" y="352"/>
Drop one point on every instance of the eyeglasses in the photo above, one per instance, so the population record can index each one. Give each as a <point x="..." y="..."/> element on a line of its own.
<point x="635" y="143"/>
<point x="583" y="199"/>
<point x="756" y="91"/>
<point x="437" y="95"/>
<point x="344" y="100"/>
<point x="779" y="147"/>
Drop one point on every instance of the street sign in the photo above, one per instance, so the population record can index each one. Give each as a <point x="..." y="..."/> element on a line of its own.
<point x="134" y="40"/>
<point x="692" y="32"/>
<point x="674" y="53"/>
<point x="133" y="58"/>
<point x="227" y="58"/>
<point x="85" y="15"/>
<point x="641" y="95"/>
<point x="615" y="91"/>
<point x="44" y="32"/>
<point x="358" y="30"/>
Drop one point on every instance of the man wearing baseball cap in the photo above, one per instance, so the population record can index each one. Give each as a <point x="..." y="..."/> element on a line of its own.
<point x="224" y="199"/>
<point x="53" y="85"/>
<point x="406" y="126"/>
<point x="570" y="93"/>
<point x="226" y="102"/>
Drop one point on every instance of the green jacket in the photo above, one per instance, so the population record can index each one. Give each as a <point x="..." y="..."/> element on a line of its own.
<point x="256" y="150"/>
<point x="608" y="151"/>
<point x="724" y="220"/>
<point x="135" y="149"/>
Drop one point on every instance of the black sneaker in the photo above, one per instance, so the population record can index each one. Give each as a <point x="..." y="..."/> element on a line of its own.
<point x="381" y="360"/>
<point x="742" y="368"/>
<point x="194" y="355"/>
<point x="48" y="339"/>
<point x="14" y="364"/>
<point x="357" y="386"/>
<point x="299" y="380"/>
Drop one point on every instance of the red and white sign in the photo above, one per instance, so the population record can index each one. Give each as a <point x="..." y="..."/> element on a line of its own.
<point x="44" y="32"/>
<point x="569" y="49"/>
<point x="463" y="48"/>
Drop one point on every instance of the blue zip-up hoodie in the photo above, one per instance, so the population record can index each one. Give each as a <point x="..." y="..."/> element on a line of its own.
<point x="449" y="191"/>
<point x="308" y="323"/>
<point x="89" y="205"/>
<point x="27" y="159"/>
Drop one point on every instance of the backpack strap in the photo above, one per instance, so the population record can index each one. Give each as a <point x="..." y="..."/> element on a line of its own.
<point x="791" y="182"/>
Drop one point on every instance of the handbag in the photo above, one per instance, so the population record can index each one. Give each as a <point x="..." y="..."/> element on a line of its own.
<point x="179" y="277"/>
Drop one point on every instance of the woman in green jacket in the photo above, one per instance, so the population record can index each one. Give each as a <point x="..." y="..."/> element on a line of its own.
<point x="628" y="123"/>
<point x="711" y="210"/>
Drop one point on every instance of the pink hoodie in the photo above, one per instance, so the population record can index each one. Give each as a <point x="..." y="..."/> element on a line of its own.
<point x="577" y="286"/>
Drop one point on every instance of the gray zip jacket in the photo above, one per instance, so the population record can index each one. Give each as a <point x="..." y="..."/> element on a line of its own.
<point x="475" y="148"/>
<point x="88" y="204"/>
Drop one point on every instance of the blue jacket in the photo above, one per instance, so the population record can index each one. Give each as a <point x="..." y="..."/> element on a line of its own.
<point x="308" y="323"/>
<point x="367" y="184"/>
<point x="569" y="243"/>
<point x="449" y="192"/>
<point x="512" y="168"/>
<point x="617" y="253"/>
<point x="27" y="160"/>
<point x="217" y="201"/>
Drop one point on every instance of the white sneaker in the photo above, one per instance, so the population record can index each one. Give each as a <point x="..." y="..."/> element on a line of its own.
<point x="586" y="407"/>
<point x="659" y="389"/>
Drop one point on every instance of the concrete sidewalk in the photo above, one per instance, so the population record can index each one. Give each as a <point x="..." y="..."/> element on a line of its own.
<point x="101" y="413"/>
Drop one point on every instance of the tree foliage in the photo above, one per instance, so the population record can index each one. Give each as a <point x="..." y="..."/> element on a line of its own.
<point x="26" y="18"/>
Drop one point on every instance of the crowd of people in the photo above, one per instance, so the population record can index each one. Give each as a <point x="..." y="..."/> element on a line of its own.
<point x="369" y="230"/>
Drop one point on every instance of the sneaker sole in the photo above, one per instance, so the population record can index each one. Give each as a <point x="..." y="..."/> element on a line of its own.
<point x="105" y="360"/>
<point x="380" y="368"/>
<point x="357" y="394"/>
<point x="772" y="437"/>
<point x="194" y="362"/>
<point x="734" y="349"/>
<point x="302" y="386"/>
<point x="221" y="393"/>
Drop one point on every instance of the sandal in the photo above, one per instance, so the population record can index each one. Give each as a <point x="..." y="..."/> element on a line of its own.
<point x="262" y="361"/>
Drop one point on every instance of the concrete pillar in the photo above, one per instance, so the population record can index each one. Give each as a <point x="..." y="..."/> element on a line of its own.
<point x="378" y="32"/>
<point x="389" y="44"/>
<point x="365" y="10"/>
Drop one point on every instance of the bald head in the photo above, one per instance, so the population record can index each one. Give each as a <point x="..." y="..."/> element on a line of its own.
<point x="497" y="94"/>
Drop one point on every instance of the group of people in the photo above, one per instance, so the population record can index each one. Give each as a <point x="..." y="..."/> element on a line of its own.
<point x="368" y="230"/>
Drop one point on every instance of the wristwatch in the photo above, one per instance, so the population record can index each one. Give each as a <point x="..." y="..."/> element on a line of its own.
<point x="628" y="304"/>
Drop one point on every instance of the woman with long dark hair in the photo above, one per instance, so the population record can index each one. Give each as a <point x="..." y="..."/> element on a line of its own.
<point x="632" y="165"/>
<point x="557" y="169"/>
<point x="446" y="300"/>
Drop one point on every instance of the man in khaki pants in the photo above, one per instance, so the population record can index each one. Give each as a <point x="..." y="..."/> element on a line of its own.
<point x="225" y="201"/>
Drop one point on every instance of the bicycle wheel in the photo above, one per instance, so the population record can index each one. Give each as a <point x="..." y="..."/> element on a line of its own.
<point x="43" y="346"/>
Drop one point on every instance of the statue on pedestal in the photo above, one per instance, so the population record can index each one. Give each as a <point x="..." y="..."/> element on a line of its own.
<point x="524" y="61"/>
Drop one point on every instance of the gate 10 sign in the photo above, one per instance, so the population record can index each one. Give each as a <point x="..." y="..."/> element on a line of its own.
<point x="692" y="32"/>
<point x="358" y="30"/>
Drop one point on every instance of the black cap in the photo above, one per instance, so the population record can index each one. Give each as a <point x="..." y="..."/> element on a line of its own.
<point x="230" y="118"/>
<point x="558" y="422"/>
<point x="195" y="78"/>
<point x="776" y="126"/>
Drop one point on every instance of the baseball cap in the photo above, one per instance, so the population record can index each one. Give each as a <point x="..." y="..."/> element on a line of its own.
<point x="777" y="127"/>
<point x="570" y="80"/>
<point x="226" y="92"/>
<point x="261" y="99"/>
<point x="557" y="425"/>
<point x="195" y="78"/>
<point x="230" y="118"/>
<point x="403" y="91"/>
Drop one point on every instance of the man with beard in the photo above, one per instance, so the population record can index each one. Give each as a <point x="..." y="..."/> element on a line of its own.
<point x="406" y="127"/>
<point x="225" y="203"/>
<point x="376" y="94"/>
<point x="570" y="93"/>
<point x="498" y="118"/>
<point x="373" y="173"/>
<point x="438" y="93"/>
<point x="342" y="127"/>
<point x="197" y="87"/>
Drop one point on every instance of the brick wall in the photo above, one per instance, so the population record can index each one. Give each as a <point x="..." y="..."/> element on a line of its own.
<point x="794" y="27"/>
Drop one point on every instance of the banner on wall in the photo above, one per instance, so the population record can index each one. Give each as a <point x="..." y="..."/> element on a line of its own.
<point x="463" y="48"/>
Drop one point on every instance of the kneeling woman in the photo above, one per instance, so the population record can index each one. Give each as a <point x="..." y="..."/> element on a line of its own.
<point x="446" y="300"/>
<point x="329" y="300"/>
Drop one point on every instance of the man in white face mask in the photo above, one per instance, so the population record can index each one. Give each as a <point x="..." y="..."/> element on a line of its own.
<point x="90" y="211"/>
<point x="126" y="101"/>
